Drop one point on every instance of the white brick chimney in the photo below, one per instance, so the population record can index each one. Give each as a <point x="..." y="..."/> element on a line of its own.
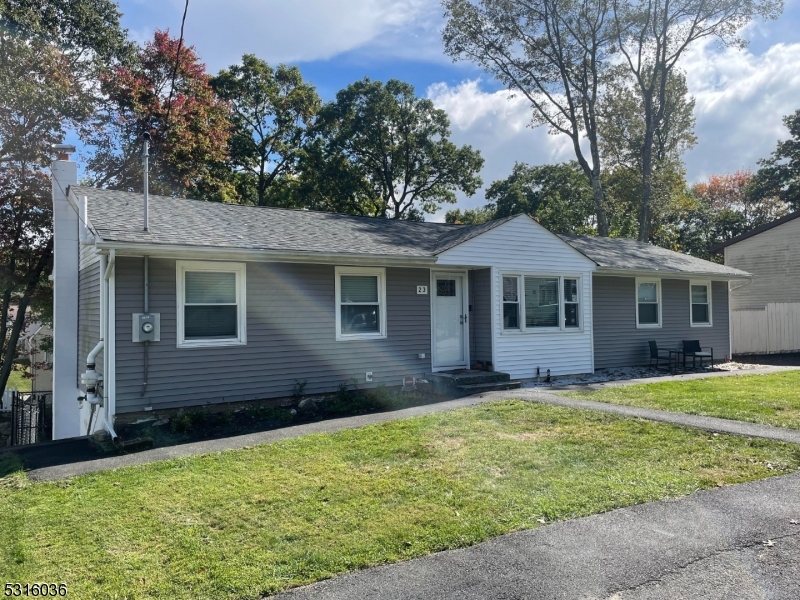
<point x="66" y="251"/>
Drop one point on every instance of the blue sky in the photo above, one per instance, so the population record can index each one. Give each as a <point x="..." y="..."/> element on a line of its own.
<point x="741" y="95"/>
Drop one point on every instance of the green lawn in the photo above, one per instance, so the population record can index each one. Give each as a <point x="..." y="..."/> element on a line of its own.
<point x="772" y="399"/>
<point x="16" y="380"/>
<point x="242" y="523"/>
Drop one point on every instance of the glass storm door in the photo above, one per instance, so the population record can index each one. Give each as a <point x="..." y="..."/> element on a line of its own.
<point x="449" y="321"/>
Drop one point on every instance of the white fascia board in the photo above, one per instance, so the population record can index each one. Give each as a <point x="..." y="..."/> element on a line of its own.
<point x="664" y="274"/>
<point x="245" y="254"/>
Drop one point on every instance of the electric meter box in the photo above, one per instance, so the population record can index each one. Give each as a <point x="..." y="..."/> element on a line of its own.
<point x="146" y="327"/>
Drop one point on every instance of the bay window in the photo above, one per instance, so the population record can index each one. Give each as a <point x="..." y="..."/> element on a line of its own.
<point x="549" y="303"/>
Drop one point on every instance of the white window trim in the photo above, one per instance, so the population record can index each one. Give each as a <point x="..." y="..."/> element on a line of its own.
<point x="381" y="274"/>
<point x="710" y="323"/>
<point x="660" y="303"/>
<point x="240" y="269"/>
<point x="523" y="328"/>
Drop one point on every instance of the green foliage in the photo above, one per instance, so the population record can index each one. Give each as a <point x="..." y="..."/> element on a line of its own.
<point x="381" y="151"/>
<point x="474" y="216"/>
<point x="51" y="53"/>
<point x="253" y="522"/>
<point x="271" y="111"/>
<point x="779" y="175"/>
<point x="299" y="389"/>
<point x="557" y="196"/>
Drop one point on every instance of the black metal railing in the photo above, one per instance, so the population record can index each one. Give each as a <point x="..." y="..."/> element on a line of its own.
<point x="31" y="417"/>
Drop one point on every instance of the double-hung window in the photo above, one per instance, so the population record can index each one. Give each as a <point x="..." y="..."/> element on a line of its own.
<point x="648" y="303"/>
<point x="360" y="303"/>
<point x="211" y="304"/>
<point x="511" y="302"/>
<point x="700" y="299"/>
<point x="549" y="303"/>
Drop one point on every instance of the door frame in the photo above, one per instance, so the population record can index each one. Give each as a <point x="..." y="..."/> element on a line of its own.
<point x="465" y="310"/>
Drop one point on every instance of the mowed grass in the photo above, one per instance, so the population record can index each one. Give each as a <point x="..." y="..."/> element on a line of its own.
<point x="244" y="523"/>
<point x="18" y="381"/>
<point x="772" y="399"/>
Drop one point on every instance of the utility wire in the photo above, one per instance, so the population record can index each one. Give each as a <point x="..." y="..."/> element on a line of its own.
<point x="175" y="68"/>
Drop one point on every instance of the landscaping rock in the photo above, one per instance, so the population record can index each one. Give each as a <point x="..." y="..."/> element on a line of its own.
<point x="307" y="405"/>
<point x="160" y="422"/>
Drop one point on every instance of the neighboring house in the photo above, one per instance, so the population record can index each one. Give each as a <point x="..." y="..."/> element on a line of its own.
<point x="30" y="353"/>
<point x="765" y="312"/>
<point x="40" y="361"/>
<point x="242" y="302"/>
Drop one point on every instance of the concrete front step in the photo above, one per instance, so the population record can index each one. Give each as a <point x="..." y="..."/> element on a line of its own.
<point x="469" y="390"/>
<point x="453" y="382"/>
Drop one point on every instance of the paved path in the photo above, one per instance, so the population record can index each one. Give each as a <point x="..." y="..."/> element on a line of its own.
<point x="543" y="395"/>
<point x="708" y="545"/>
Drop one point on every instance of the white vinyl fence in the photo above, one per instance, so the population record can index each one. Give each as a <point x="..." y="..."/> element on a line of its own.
<point x="5" y="399"/>
<point x="776" y="328"/>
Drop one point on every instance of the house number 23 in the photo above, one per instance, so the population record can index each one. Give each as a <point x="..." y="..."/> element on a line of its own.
<point x="422" y="289"/>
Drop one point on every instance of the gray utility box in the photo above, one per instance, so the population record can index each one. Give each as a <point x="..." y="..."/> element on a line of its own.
<point x="146" y="327"/>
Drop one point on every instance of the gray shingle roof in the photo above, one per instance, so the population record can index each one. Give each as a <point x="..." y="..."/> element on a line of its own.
<point x="118" y="217"/>
<point x="622" y="253"/>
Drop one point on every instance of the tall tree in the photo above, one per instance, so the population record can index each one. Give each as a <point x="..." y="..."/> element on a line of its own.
<point x="652" y="36"/>
<point x="381" y="151"/>
<point x="164" y="92"/>
<point x="50" y="55"/>
<point x="272" y="110"/>
<point x="553" y="52"/>
<point x="779" y="175"/>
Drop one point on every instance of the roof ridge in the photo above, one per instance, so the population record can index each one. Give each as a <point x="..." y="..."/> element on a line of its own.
<point x="277" y="208"/>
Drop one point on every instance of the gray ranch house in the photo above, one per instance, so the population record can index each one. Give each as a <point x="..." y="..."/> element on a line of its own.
<point x="215" y="303"/>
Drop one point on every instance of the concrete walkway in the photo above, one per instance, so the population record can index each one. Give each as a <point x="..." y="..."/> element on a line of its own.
<point x="543" y="395"/>
<point x="738" y="542"/>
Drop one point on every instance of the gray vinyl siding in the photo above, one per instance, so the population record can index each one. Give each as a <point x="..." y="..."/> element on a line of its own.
<point x="617" y="341"/>
<point x="88" y="316"/>
<point x="771" y="257"/>
<point x="480" y="328"/>
<point x="290" y="336"/>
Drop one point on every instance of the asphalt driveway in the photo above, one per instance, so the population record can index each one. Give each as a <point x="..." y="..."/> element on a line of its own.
<point x="739" y="542"/>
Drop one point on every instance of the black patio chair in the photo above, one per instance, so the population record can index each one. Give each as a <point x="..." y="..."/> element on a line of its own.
<point x="659" y="355"/>
<point x="692" y="348"/>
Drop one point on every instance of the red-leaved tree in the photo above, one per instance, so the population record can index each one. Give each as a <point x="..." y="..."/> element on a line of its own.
<point x="166" y="93"/>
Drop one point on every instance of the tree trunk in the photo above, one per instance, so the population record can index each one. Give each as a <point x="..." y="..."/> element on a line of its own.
<point x="645" y="212"/>
<point x="599" y="206"/>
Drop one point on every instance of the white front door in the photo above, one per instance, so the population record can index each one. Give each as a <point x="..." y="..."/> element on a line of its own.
<point x="449" y="321"/>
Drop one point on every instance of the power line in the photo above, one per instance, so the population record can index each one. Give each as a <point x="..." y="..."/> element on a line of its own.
<point x="175" y="68"/>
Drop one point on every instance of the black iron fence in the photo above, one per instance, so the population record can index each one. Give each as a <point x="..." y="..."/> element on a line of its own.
<point x="31" y="417"/>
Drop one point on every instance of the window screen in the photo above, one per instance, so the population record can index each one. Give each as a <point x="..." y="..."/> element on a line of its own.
<point x="510" y="302"/>
<point x="647" y="298"/>
<point x="541" y="302"/>
<point x="210" y="308"/>
<point x="360" y="309"/>
<point x="571" y="304"/>
<point x="701" y="314"/>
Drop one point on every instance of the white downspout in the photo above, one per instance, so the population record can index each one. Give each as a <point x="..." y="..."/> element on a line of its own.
<point x="104" y="318"/>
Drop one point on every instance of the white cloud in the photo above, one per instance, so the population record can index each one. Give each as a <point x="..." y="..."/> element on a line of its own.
<point x="280" y="31"/>
<point x="740" y="101"/>
<point x="496" y="124"/>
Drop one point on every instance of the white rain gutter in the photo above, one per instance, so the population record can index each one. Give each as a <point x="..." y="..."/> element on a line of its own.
<point x="665" y="274"/>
